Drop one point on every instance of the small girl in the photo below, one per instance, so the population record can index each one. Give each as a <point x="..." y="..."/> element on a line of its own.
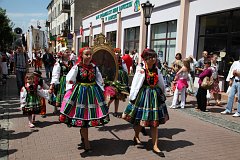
<point x="182" y="79"/>
<point x="30" y="98"/>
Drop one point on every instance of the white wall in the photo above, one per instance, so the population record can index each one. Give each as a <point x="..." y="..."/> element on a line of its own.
<point x="201" y="7"/>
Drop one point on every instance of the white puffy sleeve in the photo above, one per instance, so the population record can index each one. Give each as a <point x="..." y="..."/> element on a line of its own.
<point x="161" y="81"/>
<point x="23" y="97"/>
<point x="56" y="73"/>
<point x="99" y="79"/>
<point x="137" y="82"/>
<point x="71" y="77"/>
<point x="43" y="93"/>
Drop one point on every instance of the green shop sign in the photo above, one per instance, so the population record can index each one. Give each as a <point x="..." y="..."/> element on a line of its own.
<point x="112" y="13"/>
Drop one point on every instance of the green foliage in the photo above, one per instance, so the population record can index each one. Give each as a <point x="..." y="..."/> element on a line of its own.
<point x="6" y="33"/>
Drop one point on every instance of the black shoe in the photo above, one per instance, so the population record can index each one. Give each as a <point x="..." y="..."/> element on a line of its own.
<point x="144" y="132"/>
<point x="160" y="154"/>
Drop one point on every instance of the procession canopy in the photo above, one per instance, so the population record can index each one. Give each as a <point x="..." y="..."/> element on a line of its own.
<point x="104" y="57"/>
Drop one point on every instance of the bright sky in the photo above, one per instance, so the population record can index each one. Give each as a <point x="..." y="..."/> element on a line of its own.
<point x="24" y="13"/>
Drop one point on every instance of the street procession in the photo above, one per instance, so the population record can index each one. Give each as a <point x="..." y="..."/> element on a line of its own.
<point x="119" y="79"/>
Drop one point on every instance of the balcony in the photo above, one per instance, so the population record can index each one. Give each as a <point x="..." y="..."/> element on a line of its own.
<point x="66" y="7"/>
<point x="65" y="31"/>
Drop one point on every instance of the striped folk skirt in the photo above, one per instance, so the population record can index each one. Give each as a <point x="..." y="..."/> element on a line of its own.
<point x="149" y="108"/>
<point x="84" y="106"/>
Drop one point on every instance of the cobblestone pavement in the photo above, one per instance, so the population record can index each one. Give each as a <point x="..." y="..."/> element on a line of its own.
<point x="188" y="135"/>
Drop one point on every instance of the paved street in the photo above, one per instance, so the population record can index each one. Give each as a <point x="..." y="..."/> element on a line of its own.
<point x="188" y="135"/>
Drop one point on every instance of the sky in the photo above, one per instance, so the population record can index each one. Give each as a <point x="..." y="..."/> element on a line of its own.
<point x="24" y="13"/>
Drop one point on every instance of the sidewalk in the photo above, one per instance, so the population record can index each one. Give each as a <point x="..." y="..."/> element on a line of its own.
<point x="188" y="135"/>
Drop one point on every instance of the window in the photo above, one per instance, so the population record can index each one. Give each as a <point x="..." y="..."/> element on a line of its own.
<point x="220" y="32"/>
<point x="71" y="23"/>
<point x="163" y="40"/>
<point x="59" y="9"/>
<point x="87" y="40"/>
<point x="111" y="37"/>
<point x="131" y="38"/>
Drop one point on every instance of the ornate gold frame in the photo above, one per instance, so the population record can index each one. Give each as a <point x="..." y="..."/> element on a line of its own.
<point x="101" y="43"/>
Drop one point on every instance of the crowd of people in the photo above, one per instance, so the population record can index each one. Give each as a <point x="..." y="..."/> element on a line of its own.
<point x="75" y="87"/>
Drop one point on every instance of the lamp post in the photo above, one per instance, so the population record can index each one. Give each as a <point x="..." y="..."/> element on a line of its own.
<point x="147" y="11"/>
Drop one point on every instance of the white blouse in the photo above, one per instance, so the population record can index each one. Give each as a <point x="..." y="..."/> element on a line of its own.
<point x="72" y="76"/>
<point x="138" y="80"/>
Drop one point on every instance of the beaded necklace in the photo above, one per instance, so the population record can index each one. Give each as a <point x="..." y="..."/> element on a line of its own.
<point x="152" y="77"/>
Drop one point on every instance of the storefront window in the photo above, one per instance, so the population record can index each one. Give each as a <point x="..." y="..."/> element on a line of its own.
<point x="131" y="38"/>
<point x="112" y="37"/>
<point x="213" y="24"/>
<point x="236" y="21"/>
<point x="163" y="40"/>
<point x="220" y="32"/>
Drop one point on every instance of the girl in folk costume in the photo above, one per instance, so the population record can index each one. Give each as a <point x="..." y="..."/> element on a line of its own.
<point x="182" y="77"/>
<point x="30" y="97"/>
<point x="58" y="82"/>
<point x="147" y="106"/>
<point x="43" y="85"/>
<point x="121" y="86"/>
<point x="83" y="104"/>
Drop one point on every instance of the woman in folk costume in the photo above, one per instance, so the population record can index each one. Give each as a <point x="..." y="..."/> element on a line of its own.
<point x="121" y="86"/>
<point x="182" y="78"/>
<point x="43" y="85"/>
<point x="58" y="82"/>
<point x="147" y="106"/>
<point x="83" y="104"/>
<point x="30" y="97"/>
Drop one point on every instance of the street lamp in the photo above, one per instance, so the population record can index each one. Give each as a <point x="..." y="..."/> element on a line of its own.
<point x="147" y="11"/>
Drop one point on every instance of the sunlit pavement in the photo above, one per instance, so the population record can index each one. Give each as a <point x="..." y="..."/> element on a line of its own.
<point x="188" y="135"/>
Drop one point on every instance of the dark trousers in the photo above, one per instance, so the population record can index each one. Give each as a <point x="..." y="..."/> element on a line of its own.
<point x="20" y="75"/>
<point x="202" y="99"/>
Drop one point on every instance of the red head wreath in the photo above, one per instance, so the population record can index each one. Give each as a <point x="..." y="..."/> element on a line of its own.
<point x="81" y="54"/>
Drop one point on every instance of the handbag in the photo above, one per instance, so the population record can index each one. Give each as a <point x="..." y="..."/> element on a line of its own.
<point x="207" y="82"/>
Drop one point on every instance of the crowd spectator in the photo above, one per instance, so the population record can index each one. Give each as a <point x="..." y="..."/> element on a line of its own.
<point x="20" y="66"/>
<point x="127" y="59"/>
<point x="48" y="61"/>
<point x="234" y="81"/>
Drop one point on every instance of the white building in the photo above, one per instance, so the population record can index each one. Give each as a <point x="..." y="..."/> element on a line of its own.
<point x="185" y="26"/>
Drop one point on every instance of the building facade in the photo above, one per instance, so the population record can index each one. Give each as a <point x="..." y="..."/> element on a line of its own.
<point x="65" y="18"/>
<point x="185" y="26"/>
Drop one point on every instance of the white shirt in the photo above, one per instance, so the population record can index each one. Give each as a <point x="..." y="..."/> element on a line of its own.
<point x="235" y="66"/>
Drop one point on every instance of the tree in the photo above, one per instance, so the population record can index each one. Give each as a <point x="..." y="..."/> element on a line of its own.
<point x="6" y="33"/>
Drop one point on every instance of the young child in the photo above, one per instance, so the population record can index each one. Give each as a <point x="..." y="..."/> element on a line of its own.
<point x="182" y="78"/>
<point x="43" y="85"/>
<point x="147" y="106"/>
<point x="30" y="98"/>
